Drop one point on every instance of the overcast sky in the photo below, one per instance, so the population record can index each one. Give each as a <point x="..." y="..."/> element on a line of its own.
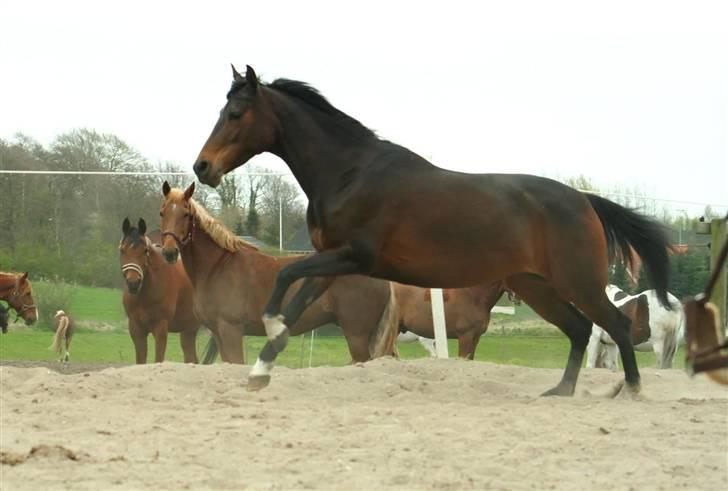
<point x="628" y="93"/>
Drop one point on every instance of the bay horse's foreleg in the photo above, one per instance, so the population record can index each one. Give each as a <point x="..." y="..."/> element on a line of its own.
<point x="547" y="303"/>
<point x="467" y="342"/>
<point x="187" y="340"/>
<point x="139" y="338"/>
<point x="335" y="262"/>
<point x="160" y="341"/>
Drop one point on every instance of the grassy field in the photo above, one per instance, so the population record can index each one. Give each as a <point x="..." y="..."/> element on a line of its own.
<point x="520" y="339"/>
<point x="97" y="305"/>
<point x="116" y="347"/>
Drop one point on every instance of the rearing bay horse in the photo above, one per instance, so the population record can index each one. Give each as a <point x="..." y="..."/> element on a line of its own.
<point x="379" y="209"/>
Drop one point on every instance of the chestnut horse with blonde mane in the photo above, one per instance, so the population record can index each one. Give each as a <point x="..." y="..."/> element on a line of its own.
<point x="157" y="298"/>
<point x="232" y="281"/>
<point x="17" y="291"/>
<point x="376" y="208"/>
<point x="467" y="313"/>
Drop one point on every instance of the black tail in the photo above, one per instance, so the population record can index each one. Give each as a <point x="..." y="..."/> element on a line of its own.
<point x="210" y="351"/>
<point x="624" y="228"/>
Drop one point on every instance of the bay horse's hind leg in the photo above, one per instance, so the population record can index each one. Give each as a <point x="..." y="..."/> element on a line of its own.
<point x="546" y="302"/>
<point x="599" y="309"/>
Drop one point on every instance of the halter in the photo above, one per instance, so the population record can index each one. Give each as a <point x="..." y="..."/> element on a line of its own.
<point x="16" y="295"/>
<point x="135" y="267"/>
<point x="188" y="238"/>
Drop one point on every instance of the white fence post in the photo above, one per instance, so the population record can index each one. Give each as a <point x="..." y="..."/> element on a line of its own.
<point x="438" y="321"/>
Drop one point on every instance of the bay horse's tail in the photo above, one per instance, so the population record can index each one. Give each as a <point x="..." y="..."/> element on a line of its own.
<point x="210" y="351"/>
<point x="625" y="228"/>
<point x="60" y="337"/>
<point x="383" y="342"/>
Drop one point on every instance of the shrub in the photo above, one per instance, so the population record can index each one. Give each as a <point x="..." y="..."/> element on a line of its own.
<point x="51" y="296"/>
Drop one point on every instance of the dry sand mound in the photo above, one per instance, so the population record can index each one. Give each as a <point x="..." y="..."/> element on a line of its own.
<point x="424" y="424"/>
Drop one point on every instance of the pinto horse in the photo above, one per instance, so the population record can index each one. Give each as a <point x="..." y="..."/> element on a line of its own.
<point x="654" y="328"/>
<point x="17" y="291"/>
<point x="467" y="313"/>
<point x="232" y="281"/>
<point x="157" y="298"/>
<point x="378" y="209"/>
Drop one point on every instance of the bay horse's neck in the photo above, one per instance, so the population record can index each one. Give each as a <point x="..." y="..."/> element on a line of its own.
<point x="317" y="158"/>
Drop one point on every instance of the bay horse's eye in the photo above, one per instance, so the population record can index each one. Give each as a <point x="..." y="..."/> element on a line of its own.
<point x="234" y="115"/>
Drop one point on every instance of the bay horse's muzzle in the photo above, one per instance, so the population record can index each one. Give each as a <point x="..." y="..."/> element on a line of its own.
<point x="206" y="173"/>
<point x="134" y="275"/>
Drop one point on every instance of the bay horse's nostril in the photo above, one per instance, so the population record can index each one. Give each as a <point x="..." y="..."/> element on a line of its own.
<point x="201" y="168"/>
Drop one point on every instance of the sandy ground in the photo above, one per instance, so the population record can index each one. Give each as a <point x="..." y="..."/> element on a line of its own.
<point x="422" y="424"/>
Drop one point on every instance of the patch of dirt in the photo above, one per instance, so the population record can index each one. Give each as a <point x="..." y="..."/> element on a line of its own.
<point x="386" y="424"/>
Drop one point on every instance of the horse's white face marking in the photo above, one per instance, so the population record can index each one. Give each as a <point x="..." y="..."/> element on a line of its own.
<point x="174" y="206"/>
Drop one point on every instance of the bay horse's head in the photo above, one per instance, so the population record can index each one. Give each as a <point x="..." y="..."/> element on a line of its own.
<point x="246" y="127"/>
<point x="21" y="299"/>
<point x="176" y="213"/>
<point x="134" y="254"/>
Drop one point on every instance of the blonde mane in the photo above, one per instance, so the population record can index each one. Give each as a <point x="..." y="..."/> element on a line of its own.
<point x="217" y="231"/>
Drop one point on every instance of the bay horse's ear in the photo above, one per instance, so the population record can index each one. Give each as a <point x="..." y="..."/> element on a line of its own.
<point x="236" y="76"/>
<point x="142" y="226"/>
<point x="126" y="226"/>
<point x="24" y="277"/>
<point x="190" y="191"/>
<point x="166" y="189"/>
<point x="251" y="79"/>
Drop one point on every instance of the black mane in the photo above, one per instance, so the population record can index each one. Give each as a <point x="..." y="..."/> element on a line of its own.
<point x="309" y="95"/>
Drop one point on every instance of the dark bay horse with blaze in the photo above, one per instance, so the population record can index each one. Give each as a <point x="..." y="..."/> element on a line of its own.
<point x="232" y="281"/>
<point x="17" y="291"/>
<point x="467" y="312"/>
<point x="157" y="298"/>
<point x="378" y="209"/>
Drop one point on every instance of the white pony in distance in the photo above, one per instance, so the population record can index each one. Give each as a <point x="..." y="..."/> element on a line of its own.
<point x="654" y="328"/>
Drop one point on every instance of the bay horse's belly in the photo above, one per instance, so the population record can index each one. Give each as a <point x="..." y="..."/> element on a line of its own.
<point x="447" y="264"/>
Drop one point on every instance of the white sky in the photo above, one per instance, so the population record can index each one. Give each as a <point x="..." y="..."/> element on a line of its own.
<point x="628" y="93"/>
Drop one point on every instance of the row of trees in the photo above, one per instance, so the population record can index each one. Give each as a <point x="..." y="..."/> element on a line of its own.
<point x="69" y="226"/>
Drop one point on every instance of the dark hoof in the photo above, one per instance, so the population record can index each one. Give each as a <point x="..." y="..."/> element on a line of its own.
<point x="559" y="390"/>
<point x="257" y="382"/>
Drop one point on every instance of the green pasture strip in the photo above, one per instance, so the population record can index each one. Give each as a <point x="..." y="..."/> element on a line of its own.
<point x="116" y="347"/>
<point x="97" y="305"/>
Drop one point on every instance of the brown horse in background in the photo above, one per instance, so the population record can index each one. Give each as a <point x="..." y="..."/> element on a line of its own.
<point x="64" y="328"/>
<point x="17" y="291"/>
<point x="232" y="281"/>
<point x="378" y="209"/>
<point x="467" y="313"/>
<point x="157" y="298"/>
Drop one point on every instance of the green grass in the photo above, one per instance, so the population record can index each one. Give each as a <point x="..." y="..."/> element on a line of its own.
<point x="116" y="347"/>
<point x="97" y="305"/>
